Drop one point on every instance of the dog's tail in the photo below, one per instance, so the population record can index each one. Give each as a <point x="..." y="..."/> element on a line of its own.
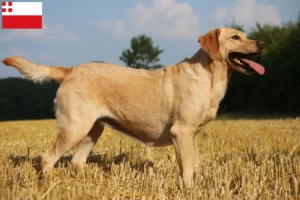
<point x="37" y="73"/>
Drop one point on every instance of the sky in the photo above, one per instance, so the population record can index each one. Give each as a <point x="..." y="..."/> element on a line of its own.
<point x="78" y="31"/>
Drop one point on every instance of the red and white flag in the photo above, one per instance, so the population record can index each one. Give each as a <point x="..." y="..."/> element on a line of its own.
<point x="22" y="15"/>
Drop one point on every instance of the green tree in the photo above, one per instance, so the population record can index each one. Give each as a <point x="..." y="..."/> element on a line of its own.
<point x="278" y="90"/>
<point x="23" y="99"/>
<point x="142" y="54"/>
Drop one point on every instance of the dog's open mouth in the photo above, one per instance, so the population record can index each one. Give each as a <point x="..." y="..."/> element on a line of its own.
<point x="249" y="66"/>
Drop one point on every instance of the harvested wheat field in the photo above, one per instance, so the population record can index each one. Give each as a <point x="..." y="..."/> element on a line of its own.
<point x="240" y="159"/>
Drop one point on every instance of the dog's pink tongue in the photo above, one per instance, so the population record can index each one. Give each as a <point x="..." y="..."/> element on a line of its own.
<point x="257" y="67"/>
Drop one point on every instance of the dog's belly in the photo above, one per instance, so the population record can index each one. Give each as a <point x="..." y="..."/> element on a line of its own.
<point x="154" y="137"/>
<point x="164" y="139"/>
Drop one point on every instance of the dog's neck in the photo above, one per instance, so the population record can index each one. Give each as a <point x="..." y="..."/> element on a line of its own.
<point x="219" y="74"/>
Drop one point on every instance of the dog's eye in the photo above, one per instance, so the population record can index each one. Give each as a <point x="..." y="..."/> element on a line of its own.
<point x="236" y="37"/>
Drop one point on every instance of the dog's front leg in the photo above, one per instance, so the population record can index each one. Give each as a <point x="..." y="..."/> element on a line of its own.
<point x="182" y="138"/>
<point x="196" y="161"/>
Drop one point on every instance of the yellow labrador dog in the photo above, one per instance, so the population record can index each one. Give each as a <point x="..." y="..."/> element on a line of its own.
<point x="158" y="107"/>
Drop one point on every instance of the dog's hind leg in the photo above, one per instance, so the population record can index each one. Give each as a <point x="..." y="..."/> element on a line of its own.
<point x="87" y="144"/>
<point x="75" y="122"/>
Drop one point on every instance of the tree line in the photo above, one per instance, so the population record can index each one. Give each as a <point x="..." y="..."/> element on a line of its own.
<point x="276" y="92"/>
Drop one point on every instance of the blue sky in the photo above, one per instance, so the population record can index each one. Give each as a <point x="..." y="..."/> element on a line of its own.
<point x="77" y="31"/>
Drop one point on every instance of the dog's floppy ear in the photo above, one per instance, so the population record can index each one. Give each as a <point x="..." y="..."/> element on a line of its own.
<point x="210" y="43"/>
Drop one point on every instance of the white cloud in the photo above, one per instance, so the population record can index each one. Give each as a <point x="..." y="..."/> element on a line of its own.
<point x="45" y="56"/>
<point x="164" y="19"/>
<point x="221" y="13"/>
<point x="49" y="34"/>
<point x="14" y="51"/>
<point x="248" y="12"/>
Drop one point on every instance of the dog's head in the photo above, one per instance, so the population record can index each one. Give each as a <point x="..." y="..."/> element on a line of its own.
<point x="233" y="47"/>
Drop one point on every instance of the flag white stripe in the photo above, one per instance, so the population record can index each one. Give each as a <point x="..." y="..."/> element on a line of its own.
<point x="24" y="8"/>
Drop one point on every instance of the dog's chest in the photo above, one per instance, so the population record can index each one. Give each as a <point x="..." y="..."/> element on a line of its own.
<point x="218" y="93"/>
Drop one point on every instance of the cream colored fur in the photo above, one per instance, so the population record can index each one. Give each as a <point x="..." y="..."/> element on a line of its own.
<point x="157" y="107"/>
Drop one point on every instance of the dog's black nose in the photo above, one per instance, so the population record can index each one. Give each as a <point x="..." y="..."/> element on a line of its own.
<point x="260" y="44"/>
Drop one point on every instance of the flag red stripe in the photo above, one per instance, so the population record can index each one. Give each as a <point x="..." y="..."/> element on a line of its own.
<point x="22" y="22"/>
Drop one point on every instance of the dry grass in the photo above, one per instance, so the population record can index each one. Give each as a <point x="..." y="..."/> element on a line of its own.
<point x="240" y="159"/>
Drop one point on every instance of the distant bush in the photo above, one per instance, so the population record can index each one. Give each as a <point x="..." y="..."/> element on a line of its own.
<point x="278" y="91"/>
<point x="23" y="99"/>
